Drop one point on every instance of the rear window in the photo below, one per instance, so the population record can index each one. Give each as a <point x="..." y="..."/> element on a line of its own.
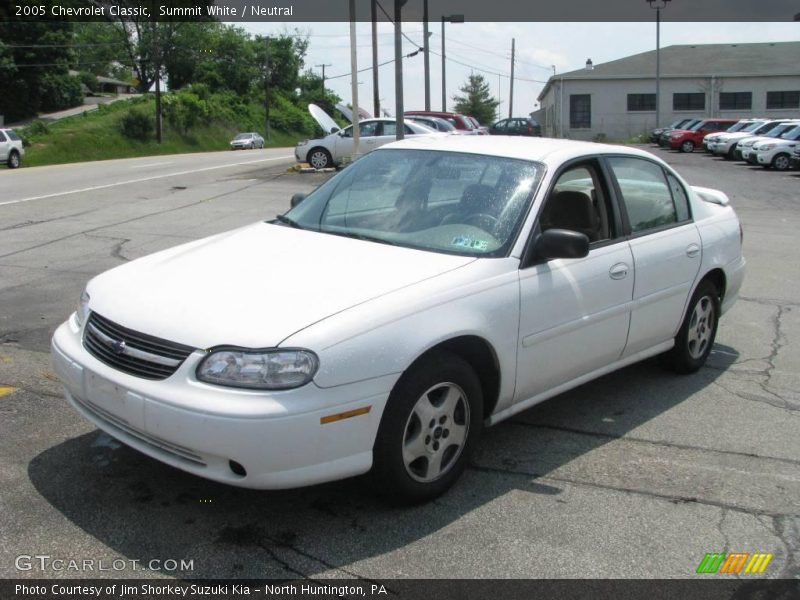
<point x="13" y="136"/>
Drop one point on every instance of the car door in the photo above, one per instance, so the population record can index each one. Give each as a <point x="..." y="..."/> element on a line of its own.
<point x="574" y="313"/>
<point x="499" y="128"/>
<point x="666" y="248"/>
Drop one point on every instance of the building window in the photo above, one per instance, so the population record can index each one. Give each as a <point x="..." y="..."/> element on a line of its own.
<point x="735" y="100"/>
<point x="783" y="99"/>
<point x="637" y="102"/>
<point x="694" y="101"/>
<point x="580" y="111"/>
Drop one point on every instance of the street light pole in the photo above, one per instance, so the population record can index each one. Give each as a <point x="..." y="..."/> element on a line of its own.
<point x="426" y="50"/>
<point x="658" y="5"/>
<point x="450" y="19"/>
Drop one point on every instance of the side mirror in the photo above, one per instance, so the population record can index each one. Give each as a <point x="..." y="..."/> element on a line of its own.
<point x="297" y="199"/>
<point x="560" y="243"/>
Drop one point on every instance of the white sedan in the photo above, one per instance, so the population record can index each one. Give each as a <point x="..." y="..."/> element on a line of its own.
<point x="333" y="149"/>
<point x="435" y="286"/>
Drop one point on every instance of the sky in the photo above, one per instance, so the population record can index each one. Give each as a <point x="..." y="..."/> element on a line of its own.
<point x="486" y="47"/>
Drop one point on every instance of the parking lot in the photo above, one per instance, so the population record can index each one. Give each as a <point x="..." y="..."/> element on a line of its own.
<point x="635" y="475"/>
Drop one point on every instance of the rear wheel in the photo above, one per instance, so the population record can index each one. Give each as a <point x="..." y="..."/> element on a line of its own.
<point x="320" y="158"/>
<point x="13" y="160"/>
<point x="699" y="329"/>
<point x="781" y="162"/>
<point x="431" y="422"/>
<point x="687" y="146"/>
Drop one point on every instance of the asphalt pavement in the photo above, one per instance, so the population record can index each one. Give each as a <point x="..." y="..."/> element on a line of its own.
<point x="635" y="475"/>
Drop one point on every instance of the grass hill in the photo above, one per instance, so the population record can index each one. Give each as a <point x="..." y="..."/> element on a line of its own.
<point x="193" y="122"/>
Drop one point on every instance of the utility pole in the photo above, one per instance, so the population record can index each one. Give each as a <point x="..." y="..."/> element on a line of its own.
<point x="658" y="5"/>
<point x="323" y="75"/>
<point x="266" y="90"/>
<point x="376" y="100"/>
<point x="157" y="58"/>
<point x="354" y="77"/>
<point x="426" y="48"/>
<point x="398" y="69"/>
<point x="511" y="91"/>
<point x="449" y="19"/>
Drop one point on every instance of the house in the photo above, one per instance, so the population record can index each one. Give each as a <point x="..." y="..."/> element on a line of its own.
<point x="617" y="100"/>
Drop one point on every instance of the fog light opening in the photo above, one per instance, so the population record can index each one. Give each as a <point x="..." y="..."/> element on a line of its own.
<point x="237" y="468"/>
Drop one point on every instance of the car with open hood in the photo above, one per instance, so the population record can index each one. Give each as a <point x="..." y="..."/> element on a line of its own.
<point x="436" y="286"/>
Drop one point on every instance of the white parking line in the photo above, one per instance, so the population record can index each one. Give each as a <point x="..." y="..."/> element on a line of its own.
<point x="128" y="181"/>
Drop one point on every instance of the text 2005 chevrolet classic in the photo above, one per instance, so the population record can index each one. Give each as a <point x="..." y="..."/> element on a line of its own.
<point x="431" y="288"/>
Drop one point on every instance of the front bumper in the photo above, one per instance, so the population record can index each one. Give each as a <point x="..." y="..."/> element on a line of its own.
<point x="277" y="437"/>
<point x="764" y="158"/>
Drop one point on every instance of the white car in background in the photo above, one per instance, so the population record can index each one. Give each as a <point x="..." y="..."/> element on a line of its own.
<point x="333" y="149"/>
<point x="742" y="129"/>
<point x="11" y="150"/>
<point x="777" y="153"/>
<point x="436" y="285"/>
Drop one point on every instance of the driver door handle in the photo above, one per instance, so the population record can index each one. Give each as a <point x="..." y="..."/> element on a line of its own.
<point x="618" y="271"/>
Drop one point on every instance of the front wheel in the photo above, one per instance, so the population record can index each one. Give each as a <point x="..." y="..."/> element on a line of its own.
<point x="432" y="420"/>
<point x="320" y="158"/>
<point x="13" y="160"/>
<point x="781" y="162"/>
<point x="699" y="329"/>
<point x="687" y="146"/>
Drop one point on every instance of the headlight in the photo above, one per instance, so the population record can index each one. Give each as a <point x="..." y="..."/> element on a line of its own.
<point x="676" y="135"/>
<point x="767" y="147"/>
<point x="259" y="369"/>
<point x="82" y="310"/>
<point x="302" y="143"/>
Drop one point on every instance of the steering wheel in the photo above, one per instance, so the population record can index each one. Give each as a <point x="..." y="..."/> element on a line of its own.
<point x="482" y="220"/>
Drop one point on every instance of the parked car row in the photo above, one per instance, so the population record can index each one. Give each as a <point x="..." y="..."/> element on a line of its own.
<point x="771" y="143"/>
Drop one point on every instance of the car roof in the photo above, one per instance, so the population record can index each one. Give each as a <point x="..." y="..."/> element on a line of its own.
<point x="545" y="150"/>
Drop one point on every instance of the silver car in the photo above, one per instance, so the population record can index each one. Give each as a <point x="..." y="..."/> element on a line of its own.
<point x="247" y="141"/>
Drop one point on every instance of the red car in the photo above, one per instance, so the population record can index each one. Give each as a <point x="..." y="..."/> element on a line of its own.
<point x="459" y="121"/>
<point x="686" y="140"/>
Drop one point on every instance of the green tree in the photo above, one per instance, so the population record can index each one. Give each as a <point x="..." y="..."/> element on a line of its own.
<point x="477" y="100"/>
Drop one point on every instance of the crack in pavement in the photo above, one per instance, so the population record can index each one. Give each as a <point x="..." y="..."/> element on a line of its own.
<point x="661" y="443"/>
<point x="116" y="250"/>
<point x="140" y="217"/>
<point x="674" y="499"/>
<point x="787" y="529"/>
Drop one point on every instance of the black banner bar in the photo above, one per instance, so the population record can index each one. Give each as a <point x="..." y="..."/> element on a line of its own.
<point x="292" y="11"/>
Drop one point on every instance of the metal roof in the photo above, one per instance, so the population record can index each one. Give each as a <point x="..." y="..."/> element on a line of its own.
<point x="698" y="60"/>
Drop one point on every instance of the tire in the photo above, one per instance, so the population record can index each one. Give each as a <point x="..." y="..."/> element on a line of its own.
<point x="687" y="146"/>
<point x="435" y="400"/>
<point x="699" y="329"/>
<point x="781" y="162"/>
<point x="731" y="153"/>
<point x="319" y="158"/>
<point x="13" y="160"/>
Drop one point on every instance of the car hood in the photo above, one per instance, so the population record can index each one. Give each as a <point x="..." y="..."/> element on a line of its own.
<point x="255" y="286"/>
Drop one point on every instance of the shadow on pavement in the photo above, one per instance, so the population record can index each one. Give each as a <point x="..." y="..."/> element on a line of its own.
<point x="143" y="509"/>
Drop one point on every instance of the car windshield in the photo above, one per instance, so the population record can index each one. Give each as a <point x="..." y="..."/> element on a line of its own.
<point x="448" y="202"/>
<point x="243" y="136"/>
<point x="791" y="134"/>
<point x="779" y="130"/>
<point x="468" y="123"/>
<point x="737" y="127"/>
<point x="752" y="127"/>
<point x="696" y="126"/>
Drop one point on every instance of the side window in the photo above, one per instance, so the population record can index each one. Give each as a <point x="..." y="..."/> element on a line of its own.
<point x="348" y="132"/>
<point x="647" y="197"/>
<point x="579" y="202"/>
<point x="389" y="128"/>
<point x="2" y="137"/>
<point x="680" y="198"/>
<point x="500" y="125"/>
<point x="367" y="129"/>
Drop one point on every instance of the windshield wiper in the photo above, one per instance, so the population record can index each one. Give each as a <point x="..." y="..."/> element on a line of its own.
<point x="360" y="236"/>
<point x="287" y="221"/>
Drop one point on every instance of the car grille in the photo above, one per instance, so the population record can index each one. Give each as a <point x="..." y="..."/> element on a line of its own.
<point x="132" y="352"/>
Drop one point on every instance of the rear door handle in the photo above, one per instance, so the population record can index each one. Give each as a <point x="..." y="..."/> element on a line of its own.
<point x="618" y="271"/>
<point x="692" y="250"/>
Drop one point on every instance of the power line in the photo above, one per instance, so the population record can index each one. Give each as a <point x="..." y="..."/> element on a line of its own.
<point x="498" y="54"/>
<point x="62" y="45"/>
<point x="386" y="62"/>
<point x="487" y="71"/>
<point x="392" y="21"/>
